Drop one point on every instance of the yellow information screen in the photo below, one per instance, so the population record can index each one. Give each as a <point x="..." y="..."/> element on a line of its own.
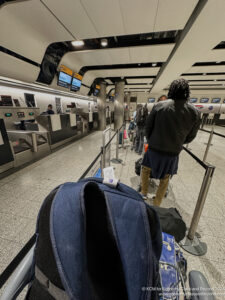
<point x="66" y="70"/>
<point x="78" y="76"/>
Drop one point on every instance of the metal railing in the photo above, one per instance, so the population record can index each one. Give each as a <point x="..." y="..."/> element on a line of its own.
<point x="94" y="169"/>
<point x="209" y="143"/>
<point x="191" y="243"/>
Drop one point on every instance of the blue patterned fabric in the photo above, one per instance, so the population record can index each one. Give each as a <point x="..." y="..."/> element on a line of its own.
<point x="160" y="163"/>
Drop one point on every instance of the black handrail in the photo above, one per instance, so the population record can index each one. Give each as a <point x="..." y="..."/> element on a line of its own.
<point x="216" y="133"/>
<point x="202" y="163"/>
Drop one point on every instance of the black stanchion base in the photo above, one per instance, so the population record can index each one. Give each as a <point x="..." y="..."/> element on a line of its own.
<point x="116" y="161"/>
<point x="194" y="247"/>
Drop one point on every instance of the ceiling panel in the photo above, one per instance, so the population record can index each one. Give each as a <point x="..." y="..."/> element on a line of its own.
<point x="126" y="72"/>
<point x="105" y="16"/>
<point x="17" y="69"/>
<point x="139" y="15"/>
<point x="73" y="15"/>
<point x="204" y="33"/>
<point x="119" y="56"/>
<point x="154" y="53"/>
<point x="139" y="86"/>
<point x="213" y="55"/>
<point x="204" y="77"/>
<point x="27" y="28"/>
<point x="206" y="69"/>
<point x="91" y="75"/>
<point x="168" y="17"/>
<point x="139" y="80"/>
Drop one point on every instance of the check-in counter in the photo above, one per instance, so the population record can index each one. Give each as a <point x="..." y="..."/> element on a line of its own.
<point x="6" y="155"/>
<point x="28" y="145"/>
<point x="61" y="127"/>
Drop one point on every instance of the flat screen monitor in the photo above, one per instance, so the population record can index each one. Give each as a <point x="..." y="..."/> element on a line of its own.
<point x="193" y="100"/>
<point x="96" y="90"/>
<point x="64" y="80"/>
<point x="76" y="84"/>
<point x="111" y="98"/>
<point x="151" y="100"/>
<point x="6" y="101"/>
<point x="204" y="100"/>
<point x="216" y="100"/>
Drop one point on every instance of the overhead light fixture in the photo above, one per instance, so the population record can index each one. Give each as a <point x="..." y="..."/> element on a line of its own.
<point x="218" y="62"/>
<point x="104" y="42"/>
<point x="139" y="65"/>
<point x="215" y="79"/>
<point x="78" y="43"/>
<point x="204" y="74"/>
<point x="154" y="64"/>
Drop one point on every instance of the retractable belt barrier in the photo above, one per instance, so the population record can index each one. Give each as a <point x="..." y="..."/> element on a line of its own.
<point x="23" y="252"/>
<point x="191" y="242"/>
<point x="212" y="132"/>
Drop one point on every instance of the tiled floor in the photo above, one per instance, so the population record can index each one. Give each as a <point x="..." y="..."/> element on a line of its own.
<point x="22" y="193"/>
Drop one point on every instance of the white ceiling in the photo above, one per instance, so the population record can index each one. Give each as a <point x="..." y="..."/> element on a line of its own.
<point x="206" y="31"/>
<point x="99" y="18"/>
<point x="27" y="28"/>
<point x="156" y="53"/>
<point x="206" y="69"/>
<point x="91" y="75"/>
<point x="141" y="80"/>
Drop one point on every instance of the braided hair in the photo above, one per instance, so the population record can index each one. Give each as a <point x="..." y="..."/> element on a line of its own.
<point x="179" y="90"/>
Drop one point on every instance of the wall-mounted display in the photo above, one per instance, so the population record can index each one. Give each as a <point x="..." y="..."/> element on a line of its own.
<point x="193" y="100"/>
<point x="204" y="100"/>
<point x="6" y="101"/>
<point x="65" y="76"/>
<point x="96" y="90"/>
<point x="151" y="100"/>
<point x="76" y="82"/>
<point x="216" y="100"/>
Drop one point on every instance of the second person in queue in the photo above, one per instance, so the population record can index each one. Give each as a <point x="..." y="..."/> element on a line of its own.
<point x="171" y="124"/>
<point x="141" y="117"/>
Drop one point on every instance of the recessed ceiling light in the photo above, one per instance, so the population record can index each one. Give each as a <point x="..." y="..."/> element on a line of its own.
<point x="215" y="79"/>
<point x="139" y="64"/>
<point x="154" y="64"/>
<point x="204" y="74"/>
<point x="78" y="43"/>
<point x="218" y="62"/>
<point x="104" y="42"/>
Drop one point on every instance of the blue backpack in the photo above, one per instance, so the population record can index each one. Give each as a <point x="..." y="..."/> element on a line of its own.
<point x="96" y="242"/>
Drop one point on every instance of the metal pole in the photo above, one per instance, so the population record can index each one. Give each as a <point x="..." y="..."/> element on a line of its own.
<point x="117" y="144"/>
<point x="123" y="128"/>
<point x="117" y="160"/>
<point x="110" y="146"/>
<point x="34" y="142"/>
<point x="201" y="201"/>
<point x="191" y="243"/>
<point x="208" y="145"/>
<point x="101" y="162"/>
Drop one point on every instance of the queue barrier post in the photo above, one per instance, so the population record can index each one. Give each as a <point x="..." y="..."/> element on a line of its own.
<point x="117" y="160"/>
<point x="208" y="145"/>
<point x="191" y="242"/>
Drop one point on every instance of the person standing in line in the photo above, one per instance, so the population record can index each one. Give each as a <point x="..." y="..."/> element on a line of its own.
<point x="171" y="124"/>
<point x="141" y="116"/>
<point x="50" y="111"/>
<point x="162" y="98"/>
